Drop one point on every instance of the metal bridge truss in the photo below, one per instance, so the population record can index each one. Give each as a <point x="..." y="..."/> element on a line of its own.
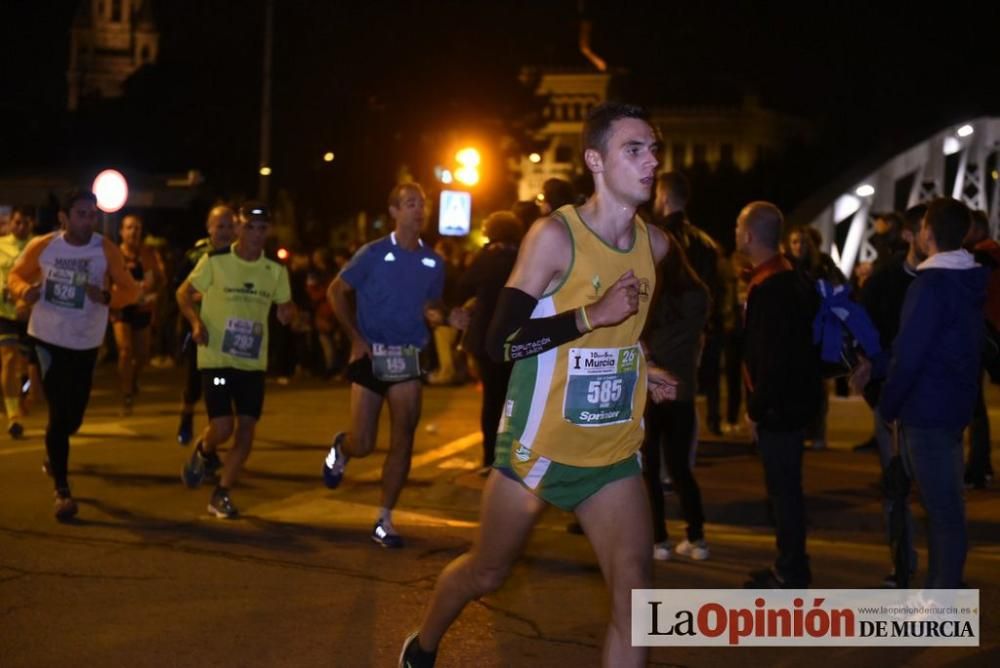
<point x="961" y="161"/>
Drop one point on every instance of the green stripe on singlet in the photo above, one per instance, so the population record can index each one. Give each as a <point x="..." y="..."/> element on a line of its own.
<point x="520" y="390"/>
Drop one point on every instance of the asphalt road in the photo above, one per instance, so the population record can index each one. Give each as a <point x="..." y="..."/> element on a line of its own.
<point x="146" y="577"/>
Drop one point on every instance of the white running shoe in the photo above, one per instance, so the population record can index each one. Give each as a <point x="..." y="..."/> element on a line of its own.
<point x="697" y="550"/>
<point x="661" y="551"/>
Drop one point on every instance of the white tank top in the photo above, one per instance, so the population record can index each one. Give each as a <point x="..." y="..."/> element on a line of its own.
<point x="63" y="314"/>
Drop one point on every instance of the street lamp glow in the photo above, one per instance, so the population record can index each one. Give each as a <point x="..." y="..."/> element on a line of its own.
<point x="328" y="156"/>
<point x="111" y="190"/>
<point x="468" y="157"/>
<point x="467" y="175"/>
<point x="865" y="190"/>
<point x="535" y="158"/>
<point x="951" y="146"/>
<point x="965" y="131"/>
<point x="265" y="171"/>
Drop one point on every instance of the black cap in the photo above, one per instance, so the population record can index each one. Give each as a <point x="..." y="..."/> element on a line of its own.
<point x="253" y="210"/>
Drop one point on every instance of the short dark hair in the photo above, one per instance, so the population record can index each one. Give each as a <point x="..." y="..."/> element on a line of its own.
<point x="949" y="221"/>
<point x="598" y="124"/>
<point x="26" y="210"/>
<point x="913" y="216"/>
<point x="677" y="184"/>
<point x="503" y="227"/>
<point x="397" y="192"/>
<point x="78" y="195"/>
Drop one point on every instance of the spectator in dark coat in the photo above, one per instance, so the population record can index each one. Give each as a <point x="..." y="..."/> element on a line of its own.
<point x="673" y="338"/>
<point x="784" y="383"/>
<point x="483" y="280"/>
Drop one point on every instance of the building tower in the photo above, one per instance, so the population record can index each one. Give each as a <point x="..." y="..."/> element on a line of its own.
<point x="109" y="40"/>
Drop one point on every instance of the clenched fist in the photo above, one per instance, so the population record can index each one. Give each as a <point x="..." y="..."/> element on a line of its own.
<point x="620" y="302"/>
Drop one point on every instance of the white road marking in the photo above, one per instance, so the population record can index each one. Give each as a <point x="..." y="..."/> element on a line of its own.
<point x="423" y="459"/>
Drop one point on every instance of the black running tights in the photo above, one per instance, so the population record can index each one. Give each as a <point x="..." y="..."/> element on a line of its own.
<point x="66" y="376"/>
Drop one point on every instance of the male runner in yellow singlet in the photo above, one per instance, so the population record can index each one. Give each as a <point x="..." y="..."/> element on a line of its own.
<point x="570" y="317"/>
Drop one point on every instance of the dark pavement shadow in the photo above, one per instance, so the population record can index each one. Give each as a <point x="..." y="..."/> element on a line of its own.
<point x="127" y="478"/>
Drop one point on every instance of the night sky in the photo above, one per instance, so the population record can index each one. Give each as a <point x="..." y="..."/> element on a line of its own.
<point x="390" y="83"/>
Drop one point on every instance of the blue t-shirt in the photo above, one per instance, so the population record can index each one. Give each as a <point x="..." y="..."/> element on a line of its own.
<point x="393" y="285"/>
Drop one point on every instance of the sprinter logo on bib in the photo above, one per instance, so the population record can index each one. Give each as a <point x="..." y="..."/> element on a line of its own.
<point x="600" y="384"/>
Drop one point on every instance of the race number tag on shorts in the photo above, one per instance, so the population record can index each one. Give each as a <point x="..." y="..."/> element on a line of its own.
<point x="243" y="338"/>
<point x="600" y="384"/>
<point x="392" y="364"/>
<point x="66" y="288"/>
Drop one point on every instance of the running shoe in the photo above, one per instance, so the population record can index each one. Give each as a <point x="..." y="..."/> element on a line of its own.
<point x="335" y="463"/>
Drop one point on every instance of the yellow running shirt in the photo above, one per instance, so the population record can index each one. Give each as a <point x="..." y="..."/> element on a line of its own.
<point x="236" y="300"/>
<point x="582" y="403"/>
<point x="10" y="249"/>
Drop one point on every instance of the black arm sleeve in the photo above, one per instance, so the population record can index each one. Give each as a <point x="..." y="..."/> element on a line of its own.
<point x="513" y="334"/>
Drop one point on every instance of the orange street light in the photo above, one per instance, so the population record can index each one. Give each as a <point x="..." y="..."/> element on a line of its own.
<point x="468" y="157"/>
<point x="467" y="175"/>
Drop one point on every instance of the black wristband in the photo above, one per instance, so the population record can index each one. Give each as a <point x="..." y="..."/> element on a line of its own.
<point x="107" y="296"/>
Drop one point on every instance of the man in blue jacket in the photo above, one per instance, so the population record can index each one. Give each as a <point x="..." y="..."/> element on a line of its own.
<point x="933" y="379"/>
